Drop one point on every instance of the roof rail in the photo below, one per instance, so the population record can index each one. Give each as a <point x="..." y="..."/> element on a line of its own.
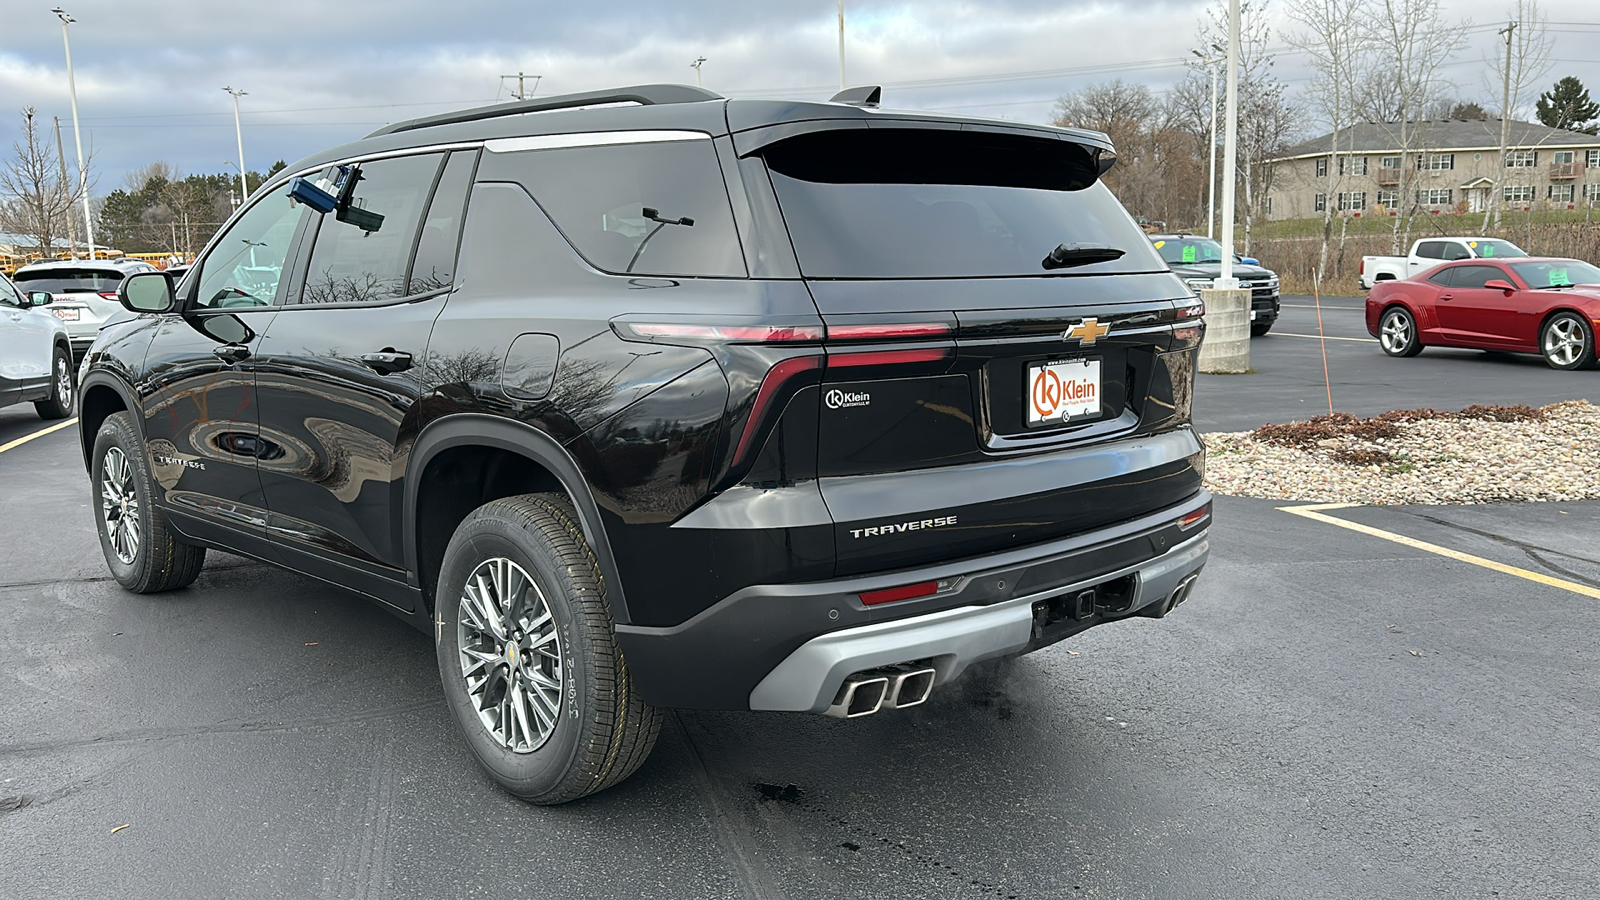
<point x="644" y="95"/>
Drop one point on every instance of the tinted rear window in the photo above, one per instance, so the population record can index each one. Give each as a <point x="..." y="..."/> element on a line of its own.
<point x="910" y="203"/>
<point x="69" y="281"/>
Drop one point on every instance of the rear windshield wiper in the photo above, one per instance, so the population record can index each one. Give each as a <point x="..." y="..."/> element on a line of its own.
<point x="1080" y="255"/>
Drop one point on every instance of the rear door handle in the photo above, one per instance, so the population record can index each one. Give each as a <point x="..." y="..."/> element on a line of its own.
<point x="231" y="352"/>
<point x="387" y="361"/>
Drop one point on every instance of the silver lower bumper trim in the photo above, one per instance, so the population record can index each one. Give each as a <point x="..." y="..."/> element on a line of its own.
<point x="953" y="639"/>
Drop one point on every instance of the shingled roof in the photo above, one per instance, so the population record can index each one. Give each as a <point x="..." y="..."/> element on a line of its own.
<point x="1448" y="135"/>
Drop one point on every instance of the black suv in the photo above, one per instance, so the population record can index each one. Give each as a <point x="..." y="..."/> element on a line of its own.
<point x="685" y="403"/>
<point x="1198" y="261"/>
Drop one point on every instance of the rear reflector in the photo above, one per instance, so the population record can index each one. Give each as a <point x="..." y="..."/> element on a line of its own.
<point x="1195" y="518"/>
<point x="740" y="334"/>
<point x="889" y="595"/>
<point x="882" y="332"/>
<point x="888" y="357"/>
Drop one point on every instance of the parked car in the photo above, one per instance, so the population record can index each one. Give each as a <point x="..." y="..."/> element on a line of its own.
<point x="1429" y="252"/>
<point x="35" y="354"/>
<point x="1538" y="305"/>
<point x="1198" y="261"/>
<point x="85" y="292"/>
<point x="693" y="402"/>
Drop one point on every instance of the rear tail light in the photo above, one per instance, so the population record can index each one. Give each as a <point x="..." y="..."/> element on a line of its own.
<point x="887" y="332"/>
<point x="109" y="295"/>
<point x="1192" y="311"/>
<point x="887" y="357"/>
<point x="775" y="378"/>
<point x="728" y="334"/>
<point x="1195" y="518"/>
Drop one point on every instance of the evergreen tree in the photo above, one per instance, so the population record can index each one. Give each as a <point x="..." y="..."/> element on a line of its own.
<point x="1567" y="106"/>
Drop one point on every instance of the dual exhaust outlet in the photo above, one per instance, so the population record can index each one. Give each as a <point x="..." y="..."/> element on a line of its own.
<point x="891" y="687"/>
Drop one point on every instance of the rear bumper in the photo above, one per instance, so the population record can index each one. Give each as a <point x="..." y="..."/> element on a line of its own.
<point x="790" y="646"/>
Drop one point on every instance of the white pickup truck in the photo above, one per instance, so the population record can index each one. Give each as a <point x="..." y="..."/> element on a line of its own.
<point x="1429" y="252"/>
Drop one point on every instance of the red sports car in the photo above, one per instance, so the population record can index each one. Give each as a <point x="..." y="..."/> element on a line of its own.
<point x="1529" y="305"/>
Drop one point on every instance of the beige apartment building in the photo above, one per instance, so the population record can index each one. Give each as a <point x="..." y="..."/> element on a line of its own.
<point x="1450" y="168"/>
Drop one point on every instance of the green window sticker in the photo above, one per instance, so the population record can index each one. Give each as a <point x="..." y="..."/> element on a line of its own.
<point x="1189" y="253"/>
<point x="1488" y="250"/>
<point x="1558" y="276"/>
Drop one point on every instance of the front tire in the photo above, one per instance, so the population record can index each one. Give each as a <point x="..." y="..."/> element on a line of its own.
<point x="1567" y="342"/>
<point x="63" y="392"/>
<point x="1261" y="328"/>
<point x="528" y="654"/>
<point x="142" y="554"/>
<point x="1397" y="332"/>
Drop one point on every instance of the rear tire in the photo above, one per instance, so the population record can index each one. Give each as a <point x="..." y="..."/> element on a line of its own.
<point x="1567" y="342"/>
<point x="1397" y="332"/>
<point x="142" y="554"/>
<point x="63" y="390"/>
<point x="528" y="654"/>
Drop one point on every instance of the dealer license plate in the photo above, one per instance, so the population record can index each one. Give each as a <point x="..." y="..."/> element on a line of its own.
<point x="1062" y="391"/>
<point x="66" y="315"/>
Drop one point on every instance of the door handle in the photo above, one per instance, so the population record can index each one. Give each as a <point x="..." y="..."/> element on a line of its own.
<point x="1447" y="296"/>
<point x="231" y="352"/>
<point x="387" y="361"/>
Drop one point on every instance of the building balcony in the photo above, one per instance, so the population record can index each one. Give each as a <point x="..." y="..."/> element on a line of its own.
<point x="1388" y="175"/>
<point x="1563" y="171"/>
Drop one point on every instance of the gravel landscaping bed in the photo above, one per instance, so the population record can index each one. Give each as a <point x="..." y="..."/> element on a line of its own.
<point x="1482" y="454"/>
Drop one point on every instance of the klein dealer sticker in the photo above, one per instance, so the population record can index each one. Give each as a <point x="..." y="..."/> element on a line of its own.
<point x="1062" y="391"/>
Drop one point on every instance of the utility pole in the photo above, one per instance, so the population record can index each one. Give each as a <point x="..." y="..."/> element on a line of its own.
<point x="1230" y="150"/>
<point x="1505" y="128"/>
<point x="238" y="133"/>
<point x="77" y="133"/>
<point x="72" y="230"/>
<point x="841" y="45"/>
<point x="521" y="93"/>
<point x="699" y="61"/>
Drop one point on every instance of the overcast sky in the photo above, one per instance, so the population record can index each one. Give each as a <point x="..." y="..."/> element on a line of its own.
<point x="150" y="75"/>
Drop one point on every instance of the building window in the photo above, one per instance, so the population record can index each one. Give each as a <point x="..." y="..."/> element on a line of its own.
<point x="1434" y="197"/>
<point x="1518" y="193"/>
<point x="1562" y="157"/>
<point x="1561" y="193"/>
<point x="1389" y="162"/>
<point x="1521" y="159"/>
<point x="1592" y="158"/>
<point x="1353" y="200"/>
<point x="1269" y="206"/>
<point x="1389" y="199"/>
<point x="1352" y="165"/>
<point x="1320" y="203"/>
<point x="1435" y="161"/>
<point x="1322" y="167"/>
<point x="1591" y="192"/>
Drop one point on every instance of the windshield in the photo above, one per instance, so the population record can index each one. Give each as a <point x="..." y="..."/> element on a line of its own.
<point x="70" y="281"/>
<point x="1188" y="251"/>
<point x="924" y="203"/>
<point x="1556" y="273"/>
<point x="1489" y="248"/>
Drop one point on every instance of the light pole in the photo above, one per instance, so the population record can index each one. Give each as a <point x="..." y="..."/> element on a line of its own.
<point x="77" y="133"/>
<point x="1211" y="186"/>
<point x="841" y="45"/>
<point x="1230" y="150"/>
<point x="699" y="61"/>
<point x="244" y="186"/>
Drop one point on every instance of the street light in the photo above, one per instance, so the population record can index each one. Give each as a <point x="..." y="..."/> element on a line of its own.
<point x="699" y="61"/>
<point x="1230" y="150"/>
<point x="1211" y="189"/>
<point x="244" y="186"/>
<point x="77" y="133"/>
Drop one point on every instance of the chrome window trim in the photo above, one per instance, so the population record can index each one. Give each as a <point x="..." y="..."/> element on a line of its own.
<point x="589" y="139"/>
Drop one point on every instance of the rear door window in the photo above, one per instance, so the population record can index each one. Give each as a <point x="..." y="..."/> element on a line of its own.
<point x="435" y="264"/>
<point x="1443" y="277"/>
<point x="1431" y="250"/>
<point x="364" y="260"/>
<point x="652" y="207"/>
<point x="922" y="203"/>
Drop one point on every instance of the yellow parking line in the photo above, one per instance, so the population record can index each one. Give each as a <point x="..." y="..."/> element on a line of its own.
<point x="38" y="434"/>
<point x="1318" y="337"/>
<point x="1314" y="513"/>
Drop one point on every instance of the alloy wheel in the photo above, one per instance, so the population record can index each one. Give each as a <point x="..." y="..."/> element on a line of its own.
<point x="1564" y="341"/>
<point x="511" y="655"/>
<point x="1396" y="332"/>
<point x="119" y="505"/>
<point x="64" y="383"/>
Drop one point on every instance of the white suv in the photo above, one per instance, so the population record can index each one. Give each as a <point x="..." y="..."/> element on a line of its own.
<point x="85" y="292"/>
<point x="35" y="356"/>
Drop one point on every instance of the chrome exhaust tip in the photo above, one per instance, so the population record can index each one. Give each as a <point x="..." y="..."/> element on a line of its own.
<point x="862" y="694"/>
<point x="909" y="686"/>
<point x="1185" y="588"/>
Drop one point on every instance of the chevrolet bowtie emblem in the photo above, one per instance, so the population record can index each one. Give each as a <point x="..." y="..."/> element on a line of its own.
<point x="1088" y="331"/>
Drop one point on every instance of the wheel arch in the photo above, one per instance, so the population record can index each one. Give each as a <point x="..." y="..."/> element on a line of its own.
<point x="100" y="396"/>
<point x="541" y="463"/>
<point x="1554" y="311"/>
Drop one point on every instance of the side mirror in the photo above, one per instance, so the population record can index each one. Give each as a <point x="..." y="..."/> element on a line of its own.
<point x="1500" y="284"/>
<point x="146" y="292"/>
<point x="40" y="298"/>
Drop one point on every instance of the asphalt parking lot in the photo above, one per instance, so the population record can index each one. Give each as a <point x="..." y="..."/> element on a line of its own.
<point x="1334" y="714"/>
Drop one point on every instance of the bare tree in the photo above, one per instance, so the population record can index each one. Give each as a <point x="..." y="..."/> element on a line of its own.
<point x="1334" y="34"/>
<point x="1412" y="40"/>
<point x="35" y="200"/>
<point x="1521" y="61"/>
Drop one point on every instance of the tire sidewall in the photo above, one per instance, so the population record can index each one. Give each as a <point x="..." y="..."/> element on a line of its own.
<point x="541" y="771"/>
<point x="115" y="432"/>
<point x="1399" y="312"/>
<point x="1585" y="359"/>
<point x="57" y="406"/>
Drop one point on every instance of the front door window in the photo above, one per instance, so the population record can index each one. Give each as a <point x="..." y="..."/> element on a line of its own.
<point x="245" y="265"/>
